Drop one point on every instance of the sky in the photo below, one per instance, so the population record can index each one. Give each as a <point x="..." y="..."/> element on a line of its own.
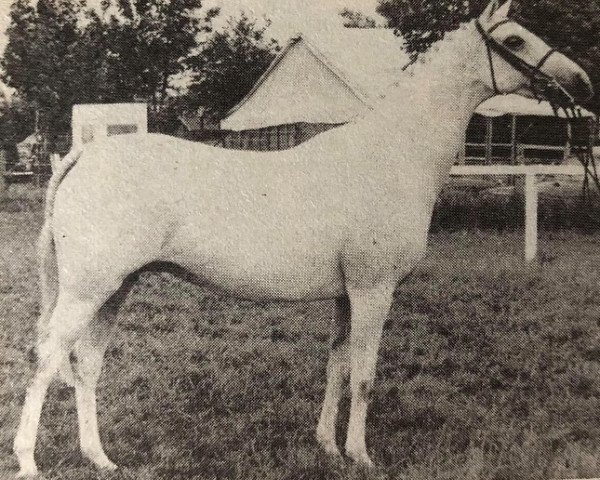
<point x="288" y="16"/>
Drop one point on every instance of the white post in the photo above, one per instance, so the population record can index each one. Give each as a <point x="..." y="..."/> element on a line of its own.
<point x="54" y="161"/>
<point x="531" y="217"/>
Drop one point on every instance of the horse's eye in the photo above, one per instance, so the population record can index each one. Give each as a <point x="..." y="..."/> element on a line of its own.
<point x="514" y="42"/>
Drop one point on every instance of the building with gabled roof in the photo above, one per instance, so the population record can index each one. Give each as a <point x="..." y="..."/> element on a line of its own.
<point x="315" y="84"/>
<point x="326" y="79"/>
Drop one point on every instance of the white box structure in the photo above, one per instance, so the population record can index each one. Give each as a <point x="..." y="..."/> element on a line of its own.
<point x="96" y="121"/>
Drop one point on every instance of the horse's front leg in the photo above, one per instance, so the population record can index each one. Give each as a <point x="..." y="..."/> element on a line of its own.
<point x="338" y="371"/>
<point x="369" y="309"/>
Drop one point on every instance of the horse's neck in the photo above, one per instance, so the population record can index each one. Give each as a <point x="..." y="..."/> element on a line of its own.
<point x="435" y="103"/>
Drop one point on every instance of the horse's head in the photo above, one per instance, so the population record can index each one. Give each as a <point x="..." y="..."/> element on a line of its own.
<point x="517" y="61"/>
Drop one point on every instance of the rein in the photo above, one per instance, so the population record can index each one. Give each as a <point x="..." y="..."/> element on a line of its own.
<point x="546" y="87"/>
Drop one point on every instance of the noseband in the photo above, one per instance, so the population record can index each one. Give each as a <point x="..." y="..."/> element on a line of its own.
<point x="542" y="84"/>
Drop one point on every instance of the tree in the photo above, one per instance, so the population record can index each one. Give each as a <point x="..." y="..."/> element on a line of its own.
<point x="60" y="52"/>
<point x="15" y="116"/>
<point x="354" y="19"/>
<point x="148" y="42"/>
<point x="43" y="60"/>
<point x="423" y="22"/>
<point x="229" y="63"/>
<point x="573" y="27"/>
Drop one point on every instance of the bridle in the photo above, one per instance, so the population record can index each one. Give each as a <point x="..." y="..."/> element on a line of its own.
<point x="542" y="84"/>
<point x="546" y="87"/>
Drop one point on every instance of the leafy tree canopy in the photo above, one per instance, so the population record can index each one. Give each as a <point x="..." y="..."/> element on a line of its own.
<point x="61" y="52"/>
<point x="148" y="42"/>
<point x="42" y="56"/>
<point x="354" y="19"/>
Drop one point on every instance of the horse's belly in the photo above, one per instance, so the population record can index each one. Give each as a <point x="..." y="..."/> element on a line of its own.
<point x="262" y="268"/>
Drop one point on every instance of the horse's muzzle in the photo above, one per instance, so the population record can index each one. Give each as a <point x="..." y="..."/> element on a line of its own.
<point x="581" y="87"/>
<point x="570" y="76"/>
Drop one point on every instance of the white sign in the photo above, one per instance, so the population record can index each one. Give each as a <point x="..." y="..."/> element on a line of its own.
<point x="94" y="121"/>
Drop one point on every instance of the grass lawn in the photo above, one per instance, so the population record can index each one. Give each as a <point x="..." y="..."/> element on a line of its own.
<point x="489" y="369"/>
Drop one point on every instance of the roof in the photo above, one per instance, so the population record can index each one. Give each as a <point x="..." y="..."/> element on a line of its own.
<point x="325" y="78"/>
<point x="334" y="76"/>
<point x="30" y="140"/>
<point x="370" y="60"/>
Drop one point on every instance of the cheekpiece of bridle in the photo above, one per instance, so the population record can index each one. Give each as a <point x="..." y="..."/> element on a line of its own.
<point x="544" y="87"/>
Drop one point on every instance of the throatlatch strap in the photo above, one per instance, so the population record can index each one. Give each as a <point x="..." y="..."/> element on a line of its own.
<point x="492" y="71"/>
<point x="488" y="45"/>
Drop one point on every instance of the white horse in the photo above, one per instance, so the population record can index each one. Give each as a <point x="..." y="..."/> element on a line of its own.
<point x="344" y="216"/>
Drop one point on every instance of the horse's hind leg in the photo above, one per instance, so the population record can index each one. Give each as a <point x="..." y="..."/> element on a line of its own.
<point x="89" y="354"/>
<point x="66" y="324"/>
<point x="338" y="372"/>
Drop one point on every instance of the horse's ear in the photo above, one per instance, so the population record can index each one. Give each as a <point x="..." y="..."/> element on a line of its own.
<point x="490" y="10"/>
<point x="504" y="10"/>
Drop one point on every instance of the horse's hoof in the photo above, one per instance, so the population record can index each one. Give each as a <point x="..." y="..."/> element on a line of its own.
<point x="106" y="465"/>
<point x="329" y="447"/>
<point x="360" y="458"/>
<point x="101" y="462"/>
<point x="27" y="473"/>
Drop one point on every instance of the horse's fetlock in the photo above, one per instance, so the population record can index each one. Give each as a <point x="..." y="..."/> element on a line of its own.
<point x="365" y="389"/>
<point x="19" y="448"/>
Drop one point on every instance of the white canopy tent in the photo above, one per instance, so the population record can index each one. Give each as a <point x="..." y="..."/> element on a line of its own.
<point x="513" y="104"/>
<point x="329" y="78"/>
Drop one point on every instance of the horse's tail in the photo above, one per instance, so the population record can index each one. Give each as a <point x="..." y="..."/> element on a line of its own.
<point x="48" y="266"/>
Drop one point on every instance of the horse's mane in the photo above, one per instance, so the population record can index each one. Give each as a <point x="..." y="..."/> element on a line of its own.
<point x="444" y="48"/>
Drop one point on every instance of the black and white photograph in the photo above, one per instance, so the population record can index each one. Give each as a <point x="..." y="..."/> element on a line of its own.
<point x="300" y="239"/>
